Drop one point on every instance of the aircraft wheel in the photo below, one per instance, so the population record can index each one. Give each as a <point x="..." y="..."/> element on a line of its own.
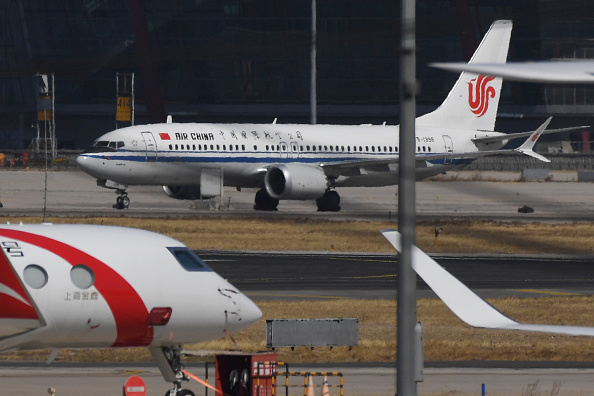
<point x="263" y="201"/>
<point x="329" y="202"/>
<point x="125" y="202"/>
<point x="182" y="392"/>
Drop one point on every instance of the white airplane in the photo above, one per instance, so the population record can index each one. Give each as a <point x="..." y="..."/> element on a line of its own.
<point x="308" y="161"/>
<point x="90" y="286"/>
<point x="466" y="304"/>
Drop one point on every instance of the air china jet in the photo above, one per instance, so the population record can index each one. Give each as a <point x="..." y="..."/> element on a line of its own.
<point x="89" y="286"/>
<point x="308" y="161"/>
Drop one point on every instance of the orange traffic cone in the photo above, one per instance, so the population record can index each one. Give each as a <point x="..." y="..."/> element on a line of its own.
<point x="310" y="386"/>
<point x="325" y="389"/>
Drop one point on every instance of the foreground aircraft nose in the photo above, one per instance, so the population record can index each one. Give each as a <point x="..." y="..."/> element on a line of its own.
<point x="250" y="312"/>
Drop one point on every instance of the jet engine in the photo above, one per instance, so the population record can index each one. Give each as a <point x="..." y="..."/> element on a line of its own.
<point x="182" y="192"/>
<point x="295" y="181"/>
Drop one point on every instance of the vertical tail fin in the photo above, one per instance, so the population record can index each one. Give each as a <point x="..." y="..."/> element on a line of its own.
<point x="473" y="101"/>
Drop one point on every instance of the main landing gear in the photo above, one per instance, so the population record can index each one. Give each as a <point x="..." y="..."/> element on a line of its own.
<point x="122" y="201"/>
<point x="263" y="201"/>
<point x="329" y="202"/>
<point x="168" y="360"/>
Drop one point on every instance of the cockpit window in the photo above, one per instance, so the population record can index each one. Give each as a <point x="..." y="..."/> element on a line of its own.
<point x="189" y="260"/>
<point x="101" y="146"/>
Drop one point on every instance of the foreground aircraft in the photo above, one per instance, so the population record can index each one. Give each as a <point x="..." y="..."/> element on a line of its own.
<point x="90" y="286"/>
<point x="308" y="161"/>
<point x="467" y="305"/>
<point x="560" y="72"/>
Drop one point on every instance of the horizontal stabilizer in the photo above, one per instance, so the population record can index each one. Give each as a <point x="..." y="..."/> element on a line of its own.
<point x="466" y="304"/>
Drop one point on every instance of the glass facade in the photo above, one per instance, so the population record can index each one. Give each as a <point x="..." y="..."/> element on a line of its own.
<point x="249" y="60"/>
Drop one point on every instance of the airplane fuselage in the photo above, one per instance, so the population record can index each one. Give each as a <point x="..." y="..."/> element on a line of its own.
<point x="80" y="286"/>
<point x="174" y="154"/>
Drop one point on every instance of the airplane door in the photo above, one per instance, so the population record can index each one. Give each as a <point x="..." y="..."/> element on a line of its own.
<point x="294" y="150"/>
<point x="150" y="145"/>
<point x="449" y="147"/>
<point x="284" y="150"/>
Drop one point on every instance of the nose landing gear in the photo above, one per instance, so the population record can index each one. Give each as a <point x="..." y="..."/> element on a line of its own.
<point x="122" y="201"/>
<point x="168" y="360"/>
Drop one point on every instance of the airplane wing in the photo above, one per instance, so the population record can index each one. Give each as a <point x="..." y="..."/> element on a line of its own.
<point x="569" y="71"/>
<point x="466" y="304"/>
<point x="344" y="167"/>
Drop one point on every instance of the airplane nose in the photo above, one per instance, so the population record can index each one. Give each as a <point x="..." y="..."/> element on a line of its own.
<point x="250" y="312"/>
<point x="86" y="163"/>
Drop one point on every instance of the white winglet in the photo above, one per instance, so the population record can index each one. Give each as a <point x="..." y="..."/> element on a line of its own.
<point x="528" y="145"/>
<point x="466" y="304"/>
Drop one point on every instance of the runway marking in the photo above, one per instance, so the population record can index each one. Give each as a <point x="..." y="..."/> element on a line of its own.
<point x="553" y="293"/>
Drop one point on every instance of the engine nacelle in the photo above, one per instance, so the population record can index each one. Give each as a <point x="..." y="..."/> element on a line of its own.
<point x="295" y="181"/>
<point x="182" y="192"/>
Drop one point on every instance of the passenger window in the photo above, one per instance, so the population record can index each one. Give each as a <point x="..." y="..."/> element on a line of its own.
<point x="188" y="259"/>
<point x="35" y="276"/>
<point x="82" y="276"/>
<point x="170" y="147"/>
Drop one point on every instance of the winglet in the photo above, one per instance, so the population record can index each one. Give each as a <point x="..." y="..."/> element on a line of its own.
<point x="528" y="145"/>
<point x="466" y="304"/>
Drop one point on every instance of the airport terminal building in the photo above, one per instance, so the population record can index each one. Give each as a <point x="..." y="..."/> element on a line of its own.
<point x="250" y="61"/>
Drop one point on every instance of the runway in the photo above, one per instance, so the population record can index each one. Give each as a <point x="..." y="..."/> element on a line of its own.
<point x="497" y="196"/>
<point x="360" y="379"/>
<point x="328" y="275"/>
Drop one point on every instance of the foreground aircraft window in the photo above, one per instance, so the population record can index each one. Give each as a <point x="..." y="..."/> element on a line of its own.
<point x="101" y="143"/>
<point x="35" y="276"/>
<point x="188" y="259"/>
<point x="255" y="148"/>
<point x="113" y="144"/>
<point x="396" y="148"/>
<point x="176" y="147"/>
<point x="170" y="147"/>
<point x="243" y="147"/>
<point x="82" y="276"/>
<point x="121" y="144"/>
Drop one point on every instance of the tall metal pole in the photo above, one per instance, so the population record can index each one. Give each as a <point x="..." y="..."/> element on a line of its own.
<point x="313" y="99"/>
<point x="406" y="295"/>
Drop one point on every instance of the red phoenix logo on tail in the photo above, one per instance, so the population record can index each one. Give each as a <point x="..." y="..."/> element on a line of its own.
<point x="479" y="99"/>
